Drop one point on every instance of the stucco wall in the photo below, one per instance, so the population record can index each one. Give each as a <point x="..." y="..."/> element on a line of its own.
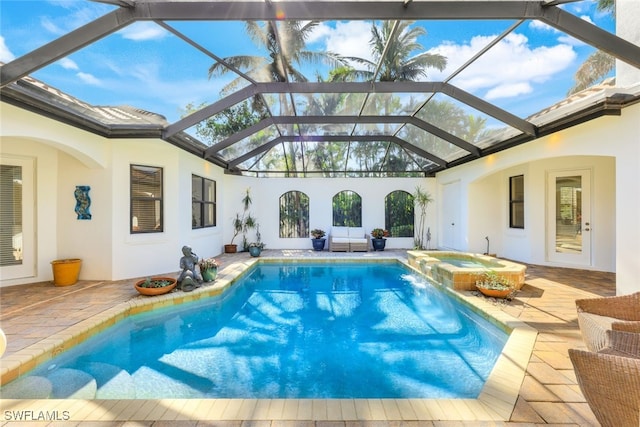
<point x="66" y="157"/>
<point x="266" y="193"/>
<point x="610" y="146"/>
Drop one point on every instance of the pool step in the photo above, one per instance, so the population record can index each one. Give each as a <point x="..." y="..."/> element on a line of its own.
<point x="113" y="382"/>
<point x="34" y="387"/>
<point x="72" y="384"/>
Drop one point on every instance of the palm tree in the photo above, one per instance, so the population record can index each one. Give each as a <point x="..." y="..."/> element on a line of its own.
<point x="397" y="45"/>
<point x="285" y="42"/>
<point x="599" y="63"/>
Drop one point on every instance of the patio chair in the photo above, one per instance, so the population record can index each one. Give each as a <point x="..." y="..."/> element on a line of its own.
<point x="339" y="239"/>
<point x="610" y="379"/>
<point x="597" y="315"/>
<point x="348" y="239"/>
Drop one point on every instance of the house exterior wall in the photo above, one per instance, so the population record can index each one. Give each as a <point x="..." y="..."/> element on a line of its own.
<point x="104" y="243"/>
<point x="608" y="146"/>
<point x="66" y="157"/>
<point x="266" y="194"/>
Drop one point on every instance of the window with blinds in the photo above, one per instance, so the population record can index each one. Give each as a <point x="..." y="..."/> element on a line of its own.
<point x="203" y="202"/>
<point x="146" y="199"/>
<point x="10" y="215"/>
<point x="516" y="201"/>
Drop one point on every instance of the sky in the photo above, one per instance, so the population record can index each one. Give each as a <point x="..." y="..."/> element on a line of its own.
<point x="147" y="67"/>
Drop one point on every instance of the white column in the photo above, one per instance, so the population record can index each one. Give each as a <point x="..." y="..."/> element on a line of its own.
<point x="627" y="27"/>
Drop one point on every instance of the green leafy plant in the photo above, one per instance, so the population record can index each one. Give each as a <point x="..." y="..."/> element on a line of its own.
<point x="207" y="263"/>
<point x="422" y="199"/>
<point x="155" y="283"/>
<point x="244" y="221"/>
<point x="493" y="281"/>
<point x="380" y="233"/>
<point x="318" y="233"/>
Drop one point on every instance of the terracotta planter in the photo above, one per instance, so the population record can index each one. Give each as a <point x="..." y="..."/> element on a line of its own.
<point x="66" y="271"/>
<point x="495" y="293"/>
<point x="156" y="291"/>
<point x="230" y="249"/>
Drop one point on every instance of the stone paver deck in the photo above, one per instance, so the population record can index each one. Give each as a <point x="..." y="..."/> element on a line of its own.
<point x="32" y="314"/>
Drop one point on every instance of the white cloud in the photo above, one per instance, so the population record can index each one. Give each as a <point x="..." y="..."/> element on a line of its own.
<point x="51" y="27"/>
<point x="541" y="26"/>
<point x="349" y="39"/>
<point x="508" y="69"/>
<point x="89" y="78"/>
<point x="5" y="54"/>
<point x="76" y="15"/>
<point x="572" y="41"/>
<point x="141" y="31"/>
<point x="320" y="31"/>
<point x="68" y="64"/>
<point x="587" y="18"/>
<point x="509" y="90"/>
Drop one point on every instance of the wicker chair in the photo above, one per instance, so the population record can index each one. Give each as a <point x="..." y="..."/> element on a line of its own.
<point x="597" y="315"/>
<point x="610" y="379"/>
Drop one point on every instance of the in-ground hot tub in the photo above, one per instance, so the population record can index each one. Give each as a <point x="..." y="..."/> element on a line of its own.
<point x="460" y="270"/>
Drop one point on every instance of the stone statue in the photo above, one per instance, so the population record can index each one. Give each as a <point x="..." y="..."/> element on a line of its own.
<point x="189" y="278"/>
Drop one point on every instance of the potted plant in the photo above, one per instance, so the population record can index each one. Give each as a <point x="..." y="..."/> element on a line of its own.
<point x="255" y="248"/>
<point x="155" y="285"/>
<point x="208" y="269"/>
<point x="378" y="236"/>
<point x="422" y="199"/>
<point x="318" y="239"/>
<point x="241" y="223"/>
<point x="493" y="285"/>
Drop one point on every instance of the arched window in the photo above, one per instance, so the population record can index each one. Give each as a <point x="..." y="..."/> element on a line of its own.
<point x="347" y="209"/>
<point x="398" y="213"/>
<point x="294" y="214"/>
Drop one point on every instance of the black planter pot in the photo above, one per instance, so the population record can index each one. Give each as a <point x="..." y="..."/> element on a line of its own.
<point x="318" y="244"/>
<point x="378" y="244"/>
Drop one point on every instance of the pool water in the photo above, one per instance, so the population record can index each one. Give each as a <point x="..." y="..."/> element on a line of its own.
<point x="293" y="330"/>
<point x="465" y="263"/>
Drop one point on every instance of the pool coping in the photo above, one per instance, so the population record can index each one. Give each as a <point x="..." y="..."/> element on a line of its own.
<point x="495" y="402"/>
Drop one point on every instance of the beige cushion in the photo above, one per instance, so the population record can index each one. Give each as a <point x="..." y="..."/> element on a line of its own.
<point x="341" y="240"/>
<point x="356" y="232"/>
<point x="593" y="329"/>
<point x="353" y="240"/>
<point x="339" y="232"/>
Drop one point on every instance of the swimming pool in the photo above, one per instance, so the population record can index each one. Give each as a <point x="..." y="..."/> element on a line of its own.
<point x="366" y="337"/>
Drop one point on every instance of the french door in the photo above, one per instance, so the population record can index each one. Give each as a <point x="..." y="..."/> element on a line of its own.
<point x="569" y="217"/>
<point x="450" y="215"/>
<point x="17" y="234"/>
